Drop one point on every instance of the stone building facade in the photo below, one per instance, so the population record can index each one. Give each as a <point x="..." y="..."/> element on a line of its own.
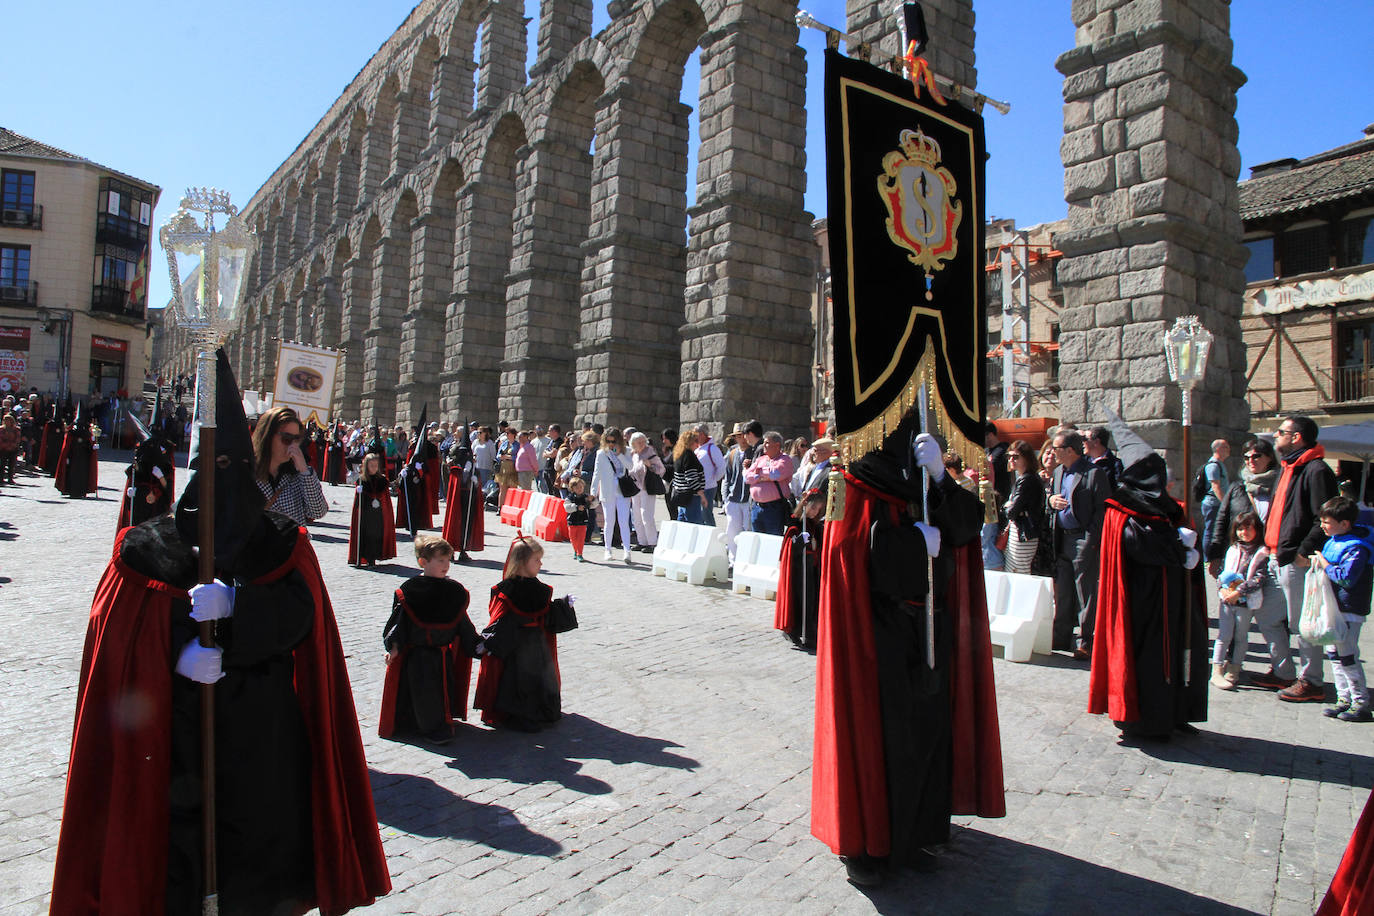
<point x="500" y="244"/>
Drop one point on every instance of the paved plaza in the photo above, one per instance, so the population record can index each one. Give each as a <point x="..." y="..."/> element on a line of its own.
<point x="679" y="779"/>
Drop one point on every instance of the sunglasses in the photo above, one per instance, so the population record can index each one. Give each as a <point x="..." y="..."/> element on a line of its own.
<point x="1284" y="432"/>
<point x="1254" y="457"/>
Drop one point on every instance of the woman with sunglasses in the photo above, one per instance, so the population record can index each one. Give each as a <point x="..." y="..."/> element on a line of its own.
<point x="1254" y="492"/>
<point x="282" y="473"/>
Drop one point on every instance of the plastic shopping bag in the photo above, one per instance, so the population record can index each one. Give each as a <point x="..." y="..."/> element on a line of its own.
<point x="1321" y="623"/>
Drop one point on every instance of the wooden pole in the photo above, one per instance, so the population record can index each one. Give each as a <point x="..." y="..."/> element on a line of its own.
<point x="1188" y="520"/>
<point x="205" y="520"/>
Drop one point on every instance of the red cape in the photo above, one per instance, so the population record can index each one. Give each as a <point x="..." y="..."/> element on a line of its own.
<point x="1112" y="683"/>
<point x="489" y="675"/>
<point x="60" y="475"/>
<point x="782" y="599"/>
<point x="403" y="510"/>
<point x="1352" y="888"/>
<point x="457" y="678"/>
<point x="112" y="851"/>
<point x="432" y="484"/>
<point x="388" y="528"/>
<point x="455" y="506"/>
<point x="849" y="805"/>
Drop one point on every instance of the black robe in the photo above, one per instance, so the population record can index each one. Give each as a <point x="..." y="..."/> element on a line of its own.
<point x="76" y="471"/>
<point x="147" y="494"/>
<point x="519" y="684"/>
<point x="434" y="641"/>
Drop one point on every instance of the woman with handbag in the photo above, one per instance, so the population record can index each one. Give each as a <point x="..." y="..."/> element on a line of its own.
<point x="646" y="470"/>
<point x="688" y="495"/>
<point x="612" y="484"/>
<point x="1025" y="510"/>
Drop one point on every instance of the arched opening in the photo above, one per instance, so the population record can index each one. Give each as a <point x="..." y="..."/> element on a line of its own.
<point x="391" y="272"/>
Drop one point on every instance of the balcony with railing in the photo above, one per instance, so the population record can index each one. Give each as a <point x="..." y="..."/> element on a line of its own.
<point x="111" y="229"/>
<point x="18" y="293"/>
<point x="21" y="217"/>
<point x="114" y="300"/>
<point x="1351" y="385"/>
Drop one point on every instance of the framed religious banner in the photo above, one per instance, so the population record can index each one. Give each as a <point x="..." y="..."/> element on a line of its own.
<point x="305" y="380"/>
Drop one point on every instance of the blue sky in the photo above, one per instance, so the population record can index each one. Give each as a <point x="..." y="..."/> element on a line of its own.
<point x="133" y="98"/>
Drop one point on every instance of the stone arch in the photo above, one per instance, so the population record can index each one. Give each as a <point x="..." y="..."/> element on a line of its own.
<point x="636" y="264"/>
<point x="349" y="178"/>
<point x="503" y="180"/>
<point x="458" y="68"/>
<point x="391" y="276"/>
<point x="551" y="226"/>
<point x="418" y="111"/>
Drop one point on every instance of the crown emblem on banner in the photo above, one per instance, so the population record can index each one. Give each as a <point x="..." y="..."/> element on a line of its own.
<point x="920" y="148"/>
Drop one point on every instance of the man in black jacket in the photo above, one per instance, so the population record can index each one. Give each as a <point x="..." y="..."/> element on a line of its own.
<point x="1077" y="498"/>
<point x="1293" y="533"/>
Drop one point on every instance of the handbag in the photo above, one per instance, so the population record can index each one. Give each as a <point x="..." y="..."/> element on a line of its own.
<point x="653" y="483"/>
<point x="787" y="498"/>
<point x="1001" y="542"/>
<point x="628" y="488"/>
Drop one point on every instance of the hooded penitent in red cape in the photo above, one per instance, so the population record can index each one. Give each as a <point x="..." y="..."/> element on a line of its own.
<point x="1150" y="613"/>
<point x="112" y="855"/>
<point x="893" y="761"/>
<point x="464" y="524"/>
<point x="1352" y="888"/>
<point x="77" y="465"/>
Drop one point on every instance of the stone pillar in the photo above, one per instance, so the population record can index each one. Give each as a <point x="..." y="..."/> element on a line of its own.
<point x="949" y="23"/>
<point x="746" y="344"/>
<point x="1151" y="164"/>
<point x="346" y="183"/>
<point x="376" y="156"/>
<point x="502" y="62"/>
<point x="542" y="296"/>
<point x="357" y="302"/>
<point x="382" y="341"/>
<point x="562" y="24"/>
<point x="422" y="329"/>
<point x="629" y="354"/>
<point x="323" y="216"/>
<point x="475" y="317"/>
<point x="452" y="97"/>
<point x="412" y="126"/>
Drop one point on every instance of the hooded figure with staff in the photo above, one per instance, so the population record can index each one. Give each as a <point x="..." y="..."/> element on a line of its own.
<point x="216" y="761"/>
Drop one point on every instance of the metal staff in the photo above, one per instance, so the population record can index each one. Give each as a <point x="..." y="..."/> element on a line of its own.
<point x="923" y="413"/>
<point x="205" y="556"/>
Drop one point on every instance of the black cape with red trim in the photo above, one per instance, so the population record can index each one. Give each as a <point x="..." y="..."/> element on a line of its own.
<point x="464" y="524"/>
<point x="519" y="682"/>
<point x="77" y="466"/>
<point x="412" y="500"/>
<point x="1144" y="623"/>
<point x="112" y="854"/>
<point x="427" y="680"/>
<point x="50" y="446"/>
<point x="374" y="488"/>
<point x="796" y="606"/>
<point x="140" y="483"/>
<point x="334" y="469"/>
<point x="1352" y="887"/>
<point x="863" y="801"/>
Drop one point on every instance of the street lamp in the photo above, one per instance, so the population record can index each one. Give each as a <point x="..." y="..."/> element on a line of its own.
<point x="1186" y="347"/>
<point x="216" y="262"/>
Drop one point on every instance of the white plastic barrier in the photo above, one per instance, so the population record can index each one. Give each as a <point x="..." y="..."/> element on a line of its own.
<point x="757" y="559"/>
<point x="532" y="513"/>
<point x="1020" y="614"/>
<point x="691" y="553"/>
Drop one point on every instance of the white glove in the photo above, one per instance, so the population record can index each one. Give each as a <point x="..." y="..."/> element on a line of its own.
<point x="929" y="457"/>
<point x="358" y="489"/>
<point x="571" y="599"/>
<point x="211" y="601"/>
<point x="202" y="665"/>
<point x="1191" y="558"/>
<point x="806" y="537"/>
<point x="1188" y="536"/>
<point x="157" y="472"/>
<point x="130" y="491"/>
<point x="932" y="536"/>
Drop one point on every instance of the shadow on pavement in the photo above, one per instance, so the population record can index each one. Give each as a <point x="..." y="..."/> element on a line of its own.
<point x="420" y="806"/>
<point x="1244" y="754"/>
<point x="553" y="754"/>
<point x="327" y="538"/>
<point x="982" y="873"/>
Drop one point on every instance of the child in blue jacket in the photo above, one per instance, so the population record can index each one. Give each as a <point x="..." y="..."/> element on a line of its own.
<point x="1345" y="560"/>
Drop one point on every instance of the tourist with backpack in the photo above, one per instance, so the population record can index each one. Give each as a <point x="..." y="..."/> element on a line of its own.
<point x="1210" y="486"/>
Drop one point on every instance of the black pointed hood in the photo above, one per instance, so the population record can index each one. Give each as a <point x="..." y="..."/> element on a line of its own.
<point x="238" y="501"/>
<point x="420" y="432"/>
<point x="1144" y="482"/>
<point x="144" y="433"/>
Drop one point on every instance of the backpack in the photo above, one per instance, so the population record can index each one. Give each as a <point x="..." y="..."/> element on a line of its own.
<point x="1201" y="485"/>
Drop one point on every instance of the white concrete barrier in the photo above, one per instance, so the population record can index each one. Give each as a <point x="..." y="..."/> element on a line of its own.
<point x="757" y="559"/>
<point x="691" y="553"/>
<point x="1020" y="614"/>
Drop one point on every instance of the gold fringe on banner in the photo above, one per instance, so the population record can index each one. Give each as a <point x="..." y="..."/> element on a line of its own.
<point x="863" y="440"/>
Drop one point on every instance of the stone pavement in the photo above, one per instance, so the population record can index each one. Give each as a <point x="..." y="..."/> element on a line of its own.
<point x="679" y="780"/>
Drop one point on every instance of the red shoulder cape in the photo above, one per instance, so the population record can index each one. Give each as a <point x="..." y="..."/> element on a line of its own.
<point x="782" y="599"/>
<point x="489" y="675"/>
<point x="111" y="853"/>
<point x="457" y="679"/>
<point x="388" y="528"/>
<point x="1352" y="888"/>
<point x="455" y="506"/>
<point x="60" y="474"/>
<point x="1112" y="683"/>
<point x="849" y="808"/>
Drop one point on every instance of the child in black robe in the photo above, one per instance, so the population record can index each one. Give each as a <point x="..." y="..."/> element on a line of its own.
<point x="372" y="531"/>
<point x="430" y="644"/>
<point x="519" y="685"/>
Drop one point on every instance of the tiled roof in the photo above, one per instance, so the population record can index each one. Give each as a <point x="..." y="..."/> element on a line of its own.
<point x="1347" y="171"/>
<point x="15" y="144"/>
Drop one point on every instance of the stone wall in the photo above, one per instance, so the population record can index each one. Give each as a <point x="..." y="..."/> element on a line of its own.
<point x="497" y="245"/>
<point x="1151" y="164"/>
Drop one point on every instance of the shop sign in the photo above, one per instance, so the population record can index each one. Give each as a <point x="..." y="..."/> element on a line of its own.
<point x="1316" y="293"/>
<point x="14" y="359"/>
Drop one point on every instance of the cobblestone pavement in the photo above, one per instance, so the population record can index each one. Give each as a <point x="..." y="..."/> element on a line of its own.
<point x="679" y="780"/>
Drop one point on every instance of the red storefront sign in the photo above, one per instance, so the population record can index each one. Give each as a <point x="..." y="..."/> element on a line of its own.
<point x="108" y="348"/>
<point x="14" y="359"/>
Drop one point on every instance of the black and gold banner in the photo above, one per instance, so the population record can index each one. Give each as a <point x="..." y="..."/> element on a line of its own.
<point x="905" y="195"/>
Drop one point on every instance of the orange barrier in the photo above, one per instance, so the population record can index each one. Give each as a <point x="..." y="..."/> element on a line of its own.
<point x="552" y="523"/>
<point x="514" y="508"/>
